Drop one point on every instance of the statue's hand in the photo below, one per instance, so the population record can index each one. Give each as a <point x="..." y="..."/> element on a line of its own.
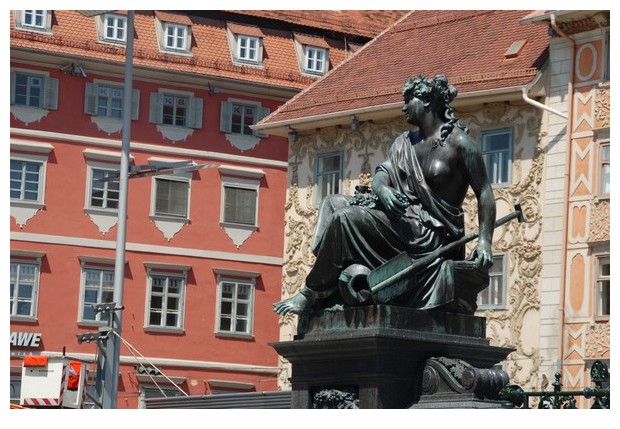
<point x="394" y="202"/>
<point x="483" y="255"/>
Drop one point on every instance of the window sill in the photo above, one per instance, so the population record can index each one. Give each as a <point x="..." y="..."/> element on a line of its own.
<point x="312" y="73"/>
<point x="24" y="203"/>
<point x="500" y="185"/>
<point x="90" y="324"/>
<point x="250" y="63"/>
<point x="45" y="31"/>
<point x="164" y="330"/>
<point x="113" y="42"/>
<point x="182" y="52"/>
<point x="239" y="335"/>
<point x="484" y="309"/>
<point x="24" y="319"/>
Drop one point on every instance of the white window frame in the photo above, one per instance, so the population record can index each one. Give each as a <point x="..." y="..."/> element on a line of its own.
<point x="602" y="281"/>
<point x="175" y="33"/>
<point x="495" y="293"/>
<point x="236" y="280"/>
<point x="31" y="259"/>
<point x="244" y="184"/>
<point x="193" y="109"/>
<point x="491" y="156"/>
<point x="108" y="169"/>
<point x="311" y="62"/>
<point x="176" y="108"/>
<point x="176" y="273"/>
<point x="92" y="95"/>
<point x="179" y="178"/>
<point x="106" y="25"/>
<point x="604" y="171"/>
<point x="102" y="266"/>
<point x="108" y="107"/>
<point x="22" y="16"/>
<point x="244" y="128"/>
<point x="42" y="162"/>
<point x="48" y="98"/>
<point x="325" y="178"/>
<point x="243" y="141"/>
<point x="253" y="54"/>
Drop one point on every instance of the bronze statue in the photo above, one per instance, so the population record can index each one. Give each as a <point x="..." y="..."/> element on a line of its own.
<point x="413" y="208"/>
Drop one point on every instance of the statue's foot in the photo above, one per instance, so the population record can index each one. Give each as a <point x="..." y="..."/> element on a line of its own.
<point x="295" y="304"/>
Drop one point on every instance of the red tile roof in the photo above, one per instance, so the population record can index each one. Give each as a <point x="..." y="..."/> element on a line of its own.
<point x="74" y="35"/>
<point x="366" y="23"/>
<point x="467" y="46"/>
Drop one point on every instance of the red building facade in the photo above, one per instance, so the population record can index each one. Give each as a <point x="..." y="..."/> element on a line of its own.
<point x="204" y="248"/>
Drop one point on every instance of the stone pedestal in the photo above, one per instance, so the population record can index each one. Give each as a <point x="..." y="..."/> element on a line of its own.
<point x="375" y="356"/>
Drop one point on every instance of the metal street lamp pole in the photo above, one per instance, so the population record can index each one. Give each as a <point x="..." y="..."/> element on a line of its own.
<point x="112" y="349"/>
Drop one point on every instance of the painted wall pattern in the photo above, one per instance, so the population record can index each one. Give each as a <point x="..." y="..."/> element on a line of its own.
<point x="365" y="148"/>
<point x="586" y="337"/>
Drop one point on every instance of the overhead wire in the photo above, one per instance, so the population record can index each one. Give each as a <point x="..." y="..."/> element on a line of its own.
<point x="132" y="349"/>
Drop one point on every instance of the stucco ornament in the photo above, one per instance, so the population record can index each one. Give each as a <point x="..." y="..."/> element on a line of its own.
<point x="521" y="242"/>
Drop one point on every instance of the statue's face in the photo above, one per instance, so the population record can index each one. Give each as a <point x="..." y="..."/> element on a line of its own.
<point x="414" y="110"/>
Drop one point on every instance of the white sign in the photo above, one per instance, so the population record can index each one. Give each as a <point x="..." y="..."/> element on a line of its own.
<point x="26" y="339"/>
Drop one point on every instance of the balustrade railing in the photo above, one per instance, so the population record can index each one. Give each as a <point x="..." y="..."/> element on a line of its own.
<point x="518" y="398"/>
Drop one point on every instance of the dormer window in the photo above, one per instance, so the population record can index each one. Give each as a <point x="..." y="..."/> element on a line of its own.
<point x="247" y="48"/>
<point x="246" y="44"/>
<point x="114" y="28"/>
<point x="312" y="54"/>
<point x="315" y="59"/>
<point x="176" y="37"/>
<point x="174" y="32"/>
<point x="33" y="20"/>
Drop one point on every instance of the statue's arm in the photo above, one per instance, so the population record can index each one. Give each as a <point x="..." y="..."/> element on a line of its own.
<point x="479" y="182"/>
<point x="393" y="202"/>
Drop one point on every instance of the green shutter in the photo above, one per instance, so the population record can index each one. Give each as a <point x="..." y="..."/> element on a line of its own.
<point x="90" y="99"/>
<point x="50" y="100"/>
<point x="135" y="104"/>
<point x="261" y="113"/>
<point x="156" y="106"/>
<point x="195" y="112"/>
<point x="225" y="116"/>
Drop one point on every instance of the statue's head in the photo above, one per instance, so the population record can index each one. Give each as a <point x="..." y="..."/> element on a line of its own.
<point x="432" y="92"/>
<point x="436" y="95"/>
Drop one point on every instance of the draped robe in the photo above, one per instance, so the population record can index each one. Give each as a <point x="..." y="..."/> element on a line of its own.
<point x="348" y="234"/>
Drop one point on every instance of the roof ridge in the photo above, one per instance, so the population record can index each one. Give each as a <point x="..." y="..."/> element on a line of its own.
<point x="364" y="29"/>
<point x="444" y="18"/>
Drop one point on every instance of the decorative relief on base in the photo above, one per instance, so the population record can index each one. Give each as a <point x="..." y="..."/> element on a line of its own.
<point x="444" y="375"/>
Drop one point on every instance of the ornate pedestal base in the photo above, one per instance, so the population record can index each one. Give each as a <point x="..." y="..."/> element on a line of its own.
<point x="375" y="356"/>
